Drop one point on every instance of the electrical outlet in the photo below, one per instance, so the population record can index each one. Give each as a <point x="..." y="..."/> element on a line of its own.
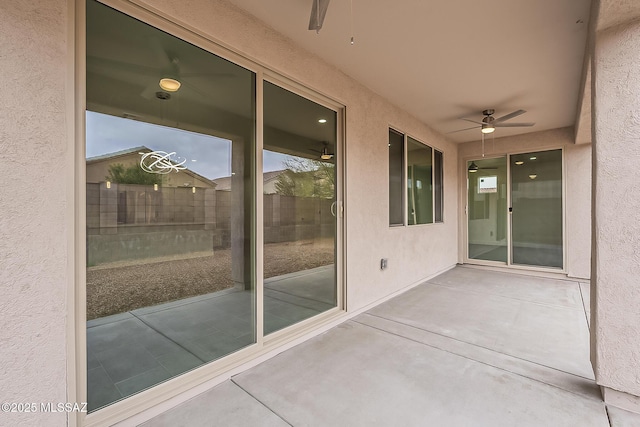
<point x="383" y="263"/>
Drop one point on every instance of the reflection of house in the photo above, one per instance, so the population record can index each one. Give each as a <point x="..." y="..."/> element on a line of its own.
<point x="98" y="169"/>
<point x="269" y="182"/>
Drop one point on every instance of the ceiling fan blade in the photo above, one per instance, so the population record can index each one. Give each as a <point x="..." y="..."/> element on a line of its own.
<point x="509" y="116"/>
<point x="105" y="65"/>
<point x="318" y="12"/>
<point x="513" y="125"/>
<point x="472" y="121"/>
<point x="461" y="130"/>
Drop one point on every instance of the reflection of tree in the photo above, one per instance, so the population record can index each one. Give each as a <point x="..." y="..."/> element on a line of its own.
<point x="306" y="178"/>
<point x="133" y="174"/>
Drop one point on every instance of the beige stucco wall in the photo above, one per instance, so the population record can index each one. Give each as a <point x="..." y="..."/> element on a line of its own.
<point x="35" y="195"/>
<point x="616" y="193"/>
<point x="577" y="163"/>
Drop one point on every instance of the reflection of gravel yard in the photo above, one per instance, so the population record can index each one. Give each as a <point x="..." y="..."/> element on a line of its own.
<point x="122" y="287"/>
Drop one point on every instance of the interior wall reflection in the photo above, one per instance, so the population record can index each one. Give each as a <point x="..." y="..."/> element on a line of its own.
<point x="299" y="185"/>
<point x="170" y="143"/>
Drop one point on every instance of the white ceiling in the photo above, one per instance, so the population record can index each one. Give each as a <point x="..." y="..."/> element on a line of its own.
<point x="442" y="60"/>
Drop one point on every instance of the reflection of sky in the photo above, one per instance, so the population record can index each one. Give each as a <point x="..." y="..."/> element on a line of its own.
<point x="206" y="155"/>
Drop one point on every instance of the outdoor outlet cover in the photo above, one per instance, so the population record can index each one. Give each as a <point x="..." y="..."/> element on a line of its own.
<point x="383" y="263"/>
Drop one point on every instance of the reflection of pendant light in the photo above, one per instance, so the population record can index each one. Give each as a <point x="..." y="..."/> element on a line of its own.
<point x="473" y="167"/>
<point x="533" y="176"/>
<point x="325" y="154"/>
<point x="169" y="84"/>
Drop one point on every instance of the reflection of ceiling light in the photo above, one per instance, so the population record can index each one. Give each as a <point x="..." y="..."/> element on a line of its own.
<point x="533" y="158"/>
<point x="322" y="121"/>
<point x="533" y="176"/>
<point x="519" y="162"/>
<point x="193" y="190"/>
<point x="489" y="128"/>
<point x="155" y="187"/>
<point x="325" y="154"/>
<point x="108" y="184"/>
<point x="170" y="85"/>
<point x="473" y="167"/>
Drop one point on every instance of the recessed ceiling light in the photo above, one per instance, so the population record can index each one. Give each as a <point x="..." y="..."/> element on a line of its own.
<point x="519" y="162"/>
<point x="170" y="85"/>
<point x="322" y="121"/>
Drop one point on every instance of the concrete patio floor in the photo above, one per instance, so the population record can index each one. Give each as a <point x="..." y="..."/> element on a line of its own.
<point x="470" y="347"/>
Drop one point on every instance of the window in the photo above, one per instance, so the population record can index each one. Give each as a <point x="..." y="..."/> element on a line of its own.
<point x="396" y="167"/>
<point x="423" y="183"/>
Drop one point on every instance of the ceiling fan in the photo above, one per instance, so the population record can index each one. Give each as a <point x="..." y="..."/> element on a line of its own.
<point x="489" y="123"/>
<point x="324" y="154"/>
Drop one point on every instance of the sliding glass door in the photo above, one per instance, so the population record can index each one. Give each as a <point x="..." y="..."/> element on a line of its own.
<point x="515" y="210"/>
<point x="487" y="209"/>
<point x="177" y="229"/>
<point x="536" y="200"/>
<point x="300" y="212"/>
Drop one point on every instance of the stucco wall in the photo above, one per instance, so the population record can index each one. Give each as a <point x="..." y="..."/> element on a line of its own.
<point x="616" y="192"/>
<point x="577" y="162"/>
<point x="37" y="153"/>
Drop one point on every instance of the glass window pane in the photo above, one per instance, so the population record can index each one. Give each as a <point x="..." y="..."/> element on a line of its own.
<point x="487" y="209"/>
<point x="438" y="185"/>
<point x="170" y="203"/>
<point x="419" y="184"/>
<point x="299" y="178"/>
<point x="396" y="186"/>
<point x="536" y="197"/>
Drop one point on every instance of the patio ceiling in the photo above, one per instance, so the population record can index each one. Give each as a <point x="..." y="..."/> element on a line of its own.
<point x="444" y="60"/>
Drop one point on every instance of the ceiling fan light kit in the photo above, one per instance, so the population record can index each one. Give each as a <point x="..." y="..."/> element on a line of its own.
<point x="325" y="155"/>
<point x="169" y="84"/>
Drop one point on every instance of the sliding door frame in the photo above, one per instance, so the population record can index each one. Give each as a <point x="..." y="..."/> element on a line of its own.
<point x="464" y="213"/>
<point x="193" y="382"/>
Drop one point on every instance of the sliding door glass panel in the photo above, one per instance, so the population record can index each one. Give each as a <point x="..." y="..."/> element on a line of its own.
<point x="396" y="186"/>
<point x="170" y="206"/>
<point x="536" y="197"/>
<point x="299" y="179"/>
<point x="487" y="209"/>
<point x="419" y="184"/>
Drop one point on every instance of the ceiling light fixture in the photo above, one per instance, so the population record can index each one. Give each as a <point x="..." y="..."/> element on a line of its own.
<point x="322" y="121"/>
<point x="325" y="155"/>
<point x="488" y="128"/>
<point x="533" y="158"/>
<point x="169" y="84"/>
<point x="473" y="167"/>
<point x="533" y="176"/>
<point x="519" y="162"/>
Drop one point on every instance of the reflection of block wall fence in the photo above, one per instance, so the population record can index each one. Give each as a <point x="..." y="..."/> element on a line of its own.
<point x="128" y="221"/>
